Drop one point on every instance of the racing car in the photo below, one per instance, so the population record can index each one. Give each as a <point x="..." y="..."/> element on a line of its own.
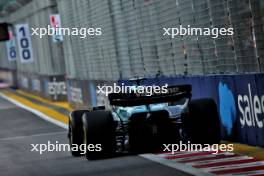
<point x="138" y="124"/>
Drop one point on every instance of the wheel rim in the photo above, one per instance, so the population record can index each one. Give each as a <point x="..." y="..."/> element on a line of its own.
<point x="84" y="135"/>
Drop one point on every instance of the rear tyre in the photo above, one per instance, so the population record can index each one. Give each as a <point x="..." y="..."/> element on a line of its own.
<point x="202" y="125"/>
<point x="75" y="133"/>
<point x="99" y="131"/>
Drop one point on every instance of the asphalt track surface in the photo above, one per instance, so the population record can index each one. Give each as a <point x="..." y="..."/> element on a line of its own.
<point x="19" y="129"/>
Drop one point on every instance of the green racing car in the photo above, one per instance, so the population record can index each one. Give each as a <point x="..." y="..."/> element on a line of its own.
<point x="139" y="124"/>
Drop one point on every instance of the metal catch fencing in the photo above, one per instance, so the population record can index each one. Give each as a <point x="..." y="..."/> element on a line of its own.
<point x="132" y="41"/>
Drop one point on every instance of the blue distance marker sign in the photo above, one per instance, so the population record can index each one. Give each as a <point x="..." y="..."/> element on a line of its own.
<point x="24" y="43"/>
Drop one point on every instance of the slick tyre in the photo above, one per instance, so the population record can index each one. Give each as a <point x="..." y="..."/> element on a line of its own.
<point x="75" y="133"/>
<point x="202" y="125"/>
<point x="99" y="131"/>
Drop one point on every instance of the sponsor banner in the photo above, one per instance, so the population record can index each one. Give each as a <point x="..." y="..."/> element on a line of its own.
<point x="101" y="99"/>
<point x="249" y="102"/>
<point x="23" y="81"/>
<point x="55" y="22"/>
<point x="24" y="43"/>
<point x="83" y="94"/>
<point x="75" y="93"/>
<point x="11" y="47"/>
<point x="50" y="87"/>
<point x="8" y="77"/>
<point x="55" y="88"/>
<point x="36" y="85"/>
<point x="240" y="100"/>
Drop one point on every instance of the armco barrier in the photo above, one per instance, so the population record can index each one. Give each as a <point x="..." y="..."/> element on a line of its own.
<point x="240" y="100"/>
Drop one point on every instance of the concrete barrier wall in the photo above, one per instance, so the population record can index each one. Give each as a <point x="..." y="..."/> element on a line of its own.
<point x="240" y="98"/>
<point x="8" y="76"/>
<point x="84" y="94"/>
<point x="240" y="101"/>
<point x="51" y="87"/>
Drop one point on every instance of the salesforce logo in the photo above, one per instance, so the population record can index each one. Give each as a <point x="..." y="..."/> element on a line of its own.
<point x="227" y="107"/>
<point x="250" y="108"/>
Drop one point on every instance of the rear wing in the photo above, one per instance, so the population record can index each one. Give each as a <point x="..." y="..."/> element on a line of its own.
<point x="174" y="93"/>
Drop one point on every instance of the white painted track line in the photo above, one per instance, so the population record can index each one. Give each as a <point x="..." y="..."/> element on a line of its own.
<point x="34" y="111"/>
